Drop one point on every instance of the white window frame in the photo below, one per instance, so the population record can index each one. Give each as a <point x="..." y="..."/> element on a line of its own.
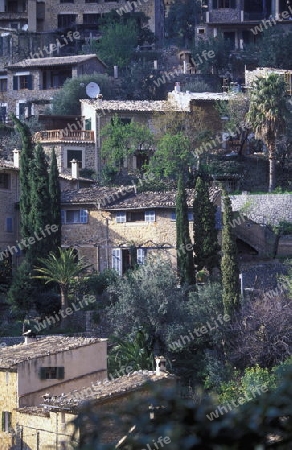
<point x="150" y="216"/>
<point x="121" y="217"/>
<point x="141" y="255"/>
<point x="82" y="213"/>
<point x="117" y="260"/>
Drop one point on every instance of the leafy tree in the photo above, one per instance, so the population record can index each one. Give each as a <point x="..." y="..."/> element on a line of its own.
<point x="137" y="17"/>
<point x="26" y="157"/>
<point x="237" y="126"/>
<point x="60" y="268"/>
<point x="267" y="116"/>
<point x="123" y="140"/>
<point x="66" y="100"/>
<point x="181" y="21"/>
<point x="118" y="43"/>
<point x="184" y="247"/>
<point x="172" y="155"/>
<point x="40" y="213"/>
<point x="205" y="234"/>
<point x="229" y="263"/>
<point x="273" y="49"/>
<point x="222" y="50"/>
<point x="22" y="292"/>
<point x="148" y="298"/>
<point x="55" y="201"/>
<point x="135" y="354"/>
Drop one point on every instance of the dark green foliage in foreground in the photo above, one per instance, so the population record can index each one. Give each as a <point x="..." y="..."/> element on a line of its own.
<point x="184" y="249"/>
<point x="205" y="234"/>
<point x="187" y="426"/>
<point x="229" y="263"/>
<point x="55" y="202"/>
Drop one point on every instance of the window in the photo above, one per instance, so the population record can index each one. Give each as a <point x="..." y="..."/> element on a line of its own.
<point x="141" y="254"/>
<point x="149" y="216"/>
<point x="52" y="373"/>
<point x="21" y="82"/>
<point x="3" y="84"/>
<point x="6" y="421"/>
<point x="124" y="259"/>
<point x="66" y="20"/>
<point x="91" y="19"/>
<point x="224" y="4"/>
<point x="122" y="120"/>
<point x="74" y="216"/>
<point x="190" y="216"/>
<point x="121" y="217"/>
<point x="74" y="154"/>
<point x="135" y="216"/>
<point x="9" y="225"/>
<point x="218" y="218"/>
<point x="4" y="180"/>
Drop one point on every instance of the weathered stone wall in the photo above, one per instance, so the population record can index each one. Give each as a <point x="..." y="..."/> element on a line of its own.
<point x="44" y="430"/>
<point x="61" y="148"/>
<point x="149" y="7"/>
<point x="8" y="198"/>
<point x="8" y="402"/>
<point x="225" y="15"/>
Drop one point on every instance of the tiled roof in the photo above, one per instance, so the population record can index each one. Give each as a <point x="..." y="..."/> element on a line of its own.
<point x="53" y="61"/>
<point x="110" y="198"/>
<point x="133" y="105"/>
<point x="102" y="390"/>
<point x="16" y="354"/>
<point x="68" y="177"/>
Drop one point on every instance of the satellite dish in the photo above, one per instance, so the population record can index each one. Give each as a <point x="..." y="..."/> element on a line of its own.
<point x="25" y="27"/>
<point x="92" y="89"/>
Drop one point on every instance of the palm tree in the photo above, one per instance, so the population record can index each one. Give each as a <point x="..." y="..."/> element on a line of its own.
<point x="61" y="269"/>
<point x="267" y="115"/>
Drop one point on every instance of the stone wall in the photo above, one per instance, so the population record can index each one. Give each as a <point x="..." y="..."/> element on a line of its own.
<point x="225" y="15"/>
<point x="61" y="148"/>
<point x="8" y="403"/>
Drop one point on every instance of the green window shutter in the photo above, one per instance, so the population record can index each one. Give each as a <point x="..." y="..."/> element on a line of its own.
<point x="214" y="4"/>
<point x="9" y="421"/>
<point x="29" y="82"/>
<point x="15" y="83"/>
<point x="3" y="421"/>
<point x="60" y="373"/>
<point x="42" y="373"/>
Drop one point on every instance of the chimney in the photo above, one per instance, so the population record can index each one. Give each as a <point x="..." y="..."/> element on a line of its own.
<point x="74" y="169"/>
<point x="160" y="365"/>
<point x="29" y="336"/>
<point x="155" y="65"/>
<point x="177" y="86"/>
<point x="116" y="72"/>
<point x="16" y="156"/>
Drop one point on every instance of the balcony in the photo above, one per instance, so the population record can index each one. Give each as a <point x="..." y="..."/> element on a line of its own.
<point x="65" y="135"/>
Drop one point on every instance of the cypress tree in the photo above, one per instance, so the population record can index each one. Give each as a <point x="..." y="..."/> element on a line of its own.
<point x="26" y="156"/>
<point x="184" y="248"/>
<point x="40" y="214"/>
<point x="229" y="263"/>
<point x="55" y="201"/>
<point x="206" y="245"/>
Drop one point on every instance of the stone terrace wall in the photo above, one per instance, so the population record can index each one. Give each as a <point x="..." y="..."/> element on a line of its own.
<point x="264" y="208"/>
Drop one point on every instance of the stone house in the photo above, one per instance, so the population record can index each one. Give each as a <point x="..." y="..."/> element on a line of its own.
<point x="99" y="113"/>
<point x="235" y="18"/>
<point x="9" y="216"/>
<point x="118" y="228"/>
<point x="49" y="424"/>
<point x="40" y="368"/>
<point x="31" y="83"/>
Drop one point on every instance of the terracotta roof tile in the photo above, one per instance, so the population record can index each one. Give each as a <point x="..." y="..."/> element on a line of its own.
<point x="53" y="61"/>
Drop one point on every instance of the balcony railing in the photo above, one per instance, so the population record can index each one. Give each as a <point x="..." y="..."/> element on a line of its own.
<point x="65" y="135"/>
